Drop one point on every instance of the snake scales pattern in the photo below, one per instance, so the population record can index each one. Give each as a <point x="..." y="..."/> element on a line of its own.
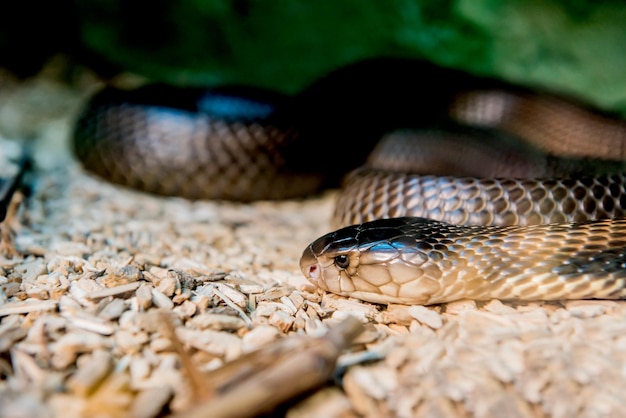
<point x="458" y="186"/>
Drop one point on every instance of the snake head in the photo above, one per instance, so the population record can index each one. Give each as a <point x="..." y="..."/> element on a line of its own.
<point x="330" y="261"/>
<point x="376" y="261"/>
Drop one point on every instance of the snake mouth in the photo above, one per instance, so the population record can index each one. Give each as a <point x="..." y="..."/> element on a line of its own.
<point x="312" y="271"/>
<point x="309" y="265"/>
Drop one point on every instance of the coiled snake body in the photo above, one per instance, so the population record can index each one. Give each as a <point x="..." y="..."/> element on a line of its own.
<point x="477" y="189"/>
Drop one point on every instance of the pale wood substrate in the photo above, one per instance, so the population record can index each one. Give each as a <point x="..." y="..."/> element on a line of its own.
<point x="80" y="330"/>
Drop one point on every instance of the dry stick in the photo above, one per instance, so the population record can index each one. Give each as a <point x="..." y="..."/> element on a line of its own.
<point x="261" y="380"/>
<point x="195" y="377"/>
<point x="10" y="218"/>
<point x="10" y="201"/>
<point x="231" y="304"/>
<point x="12" y="183"/>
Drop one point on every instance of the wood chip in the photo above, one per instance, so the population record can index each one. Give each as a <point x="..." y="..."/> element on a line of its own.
<point x="329" y="402"/>
<point x="585" y="308"/>
<point x="218" y="322"/>
<point x="90" y="373"/>
<point x="160" y="300"/>
<point x="258" y="337"/>
<point x="114" y="291"/>
<point x="281" y="320"/>
<point x="148" y="403"/>
<point x="11" y="308"/>
<point x="93" y="324"/>
<point x="69" y="346"/>
<point x="219" y="343"/>
<point x="426" y="316"/>
<point x="363" y="311"/>
<point x="143" y="296"/>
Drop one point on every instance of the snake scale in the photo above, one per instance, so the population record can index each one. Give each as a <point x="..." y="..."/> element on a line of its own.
<point x="452" y="185"/>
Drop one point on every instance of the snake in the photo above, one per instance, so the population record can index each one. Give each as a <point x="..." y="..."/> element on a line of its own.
<point x="451" y="185"/>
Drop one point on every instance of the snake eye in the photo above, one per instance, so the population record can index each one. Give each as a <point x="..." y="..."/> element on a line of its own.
<point x="342" y="261"/>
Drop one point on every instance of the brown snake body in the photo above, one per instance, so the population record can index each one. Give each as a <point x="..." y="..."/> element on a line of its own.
<point x="542" y="174"/>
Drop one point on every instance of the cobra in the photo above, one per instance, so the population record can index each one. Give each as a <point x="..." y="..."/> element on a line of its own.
<point x="478" y="189"/>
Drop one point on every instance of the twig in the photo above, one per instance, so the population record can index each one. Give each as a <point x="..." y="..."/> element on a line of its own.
<point x="261" y="380"/>
<point x="231" y="304"/>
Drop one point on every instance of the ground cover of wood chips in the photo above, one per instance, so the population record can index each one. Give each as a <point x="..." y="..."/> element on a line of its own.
<point x="120" y="304"/>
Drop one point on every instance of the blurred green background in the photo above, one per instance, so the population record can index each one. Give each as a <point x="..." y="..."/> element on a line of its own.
<point x="574" y="46"/>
